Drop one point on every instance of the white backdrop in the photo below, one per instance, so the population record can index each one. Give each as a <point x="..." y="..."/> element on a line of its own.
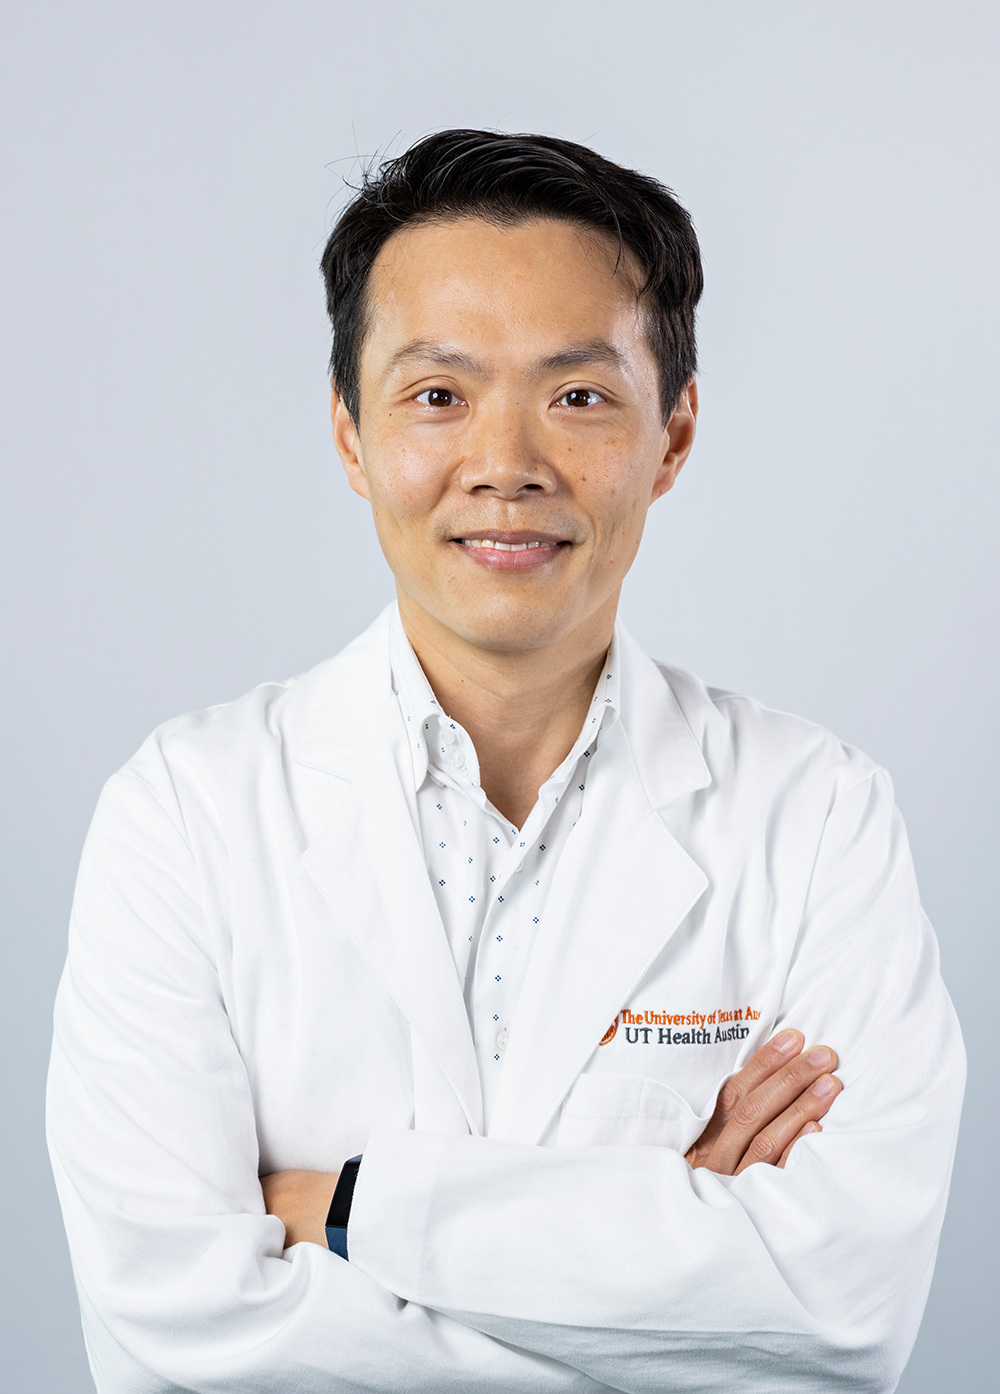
<point x="176" y="529"/>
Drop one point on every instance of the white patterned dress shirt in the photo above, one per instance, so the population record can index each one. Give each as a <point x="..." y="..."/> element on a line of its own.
<point x="490" y="879"/>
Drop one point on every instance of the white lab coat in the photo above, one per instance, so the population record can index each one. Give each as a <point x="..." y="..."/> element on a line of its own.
<point x="258" y="979"/>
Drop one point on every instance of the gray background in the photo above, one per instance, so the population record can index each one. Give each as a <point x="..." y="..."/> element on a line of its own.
<point x="176" y="527"/>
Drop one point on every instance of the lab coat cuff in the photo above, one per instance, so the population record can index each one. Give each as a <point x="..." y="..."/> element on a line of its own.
<point x="392" y="1206"/>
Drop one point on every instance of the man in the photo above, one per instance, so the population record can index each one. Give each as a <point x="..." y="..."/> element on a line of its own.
<point x="461" y="1014"/>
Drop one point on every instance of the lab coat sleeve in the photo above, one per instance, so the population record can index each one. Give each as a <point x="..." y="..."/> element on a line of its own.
<point x="625" y="1263"/>
<point x="181" y="1276"/>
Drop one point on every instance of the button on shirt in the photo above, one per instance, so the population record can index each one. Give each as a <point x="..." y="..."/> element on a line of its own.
<point x="490" y="879"/>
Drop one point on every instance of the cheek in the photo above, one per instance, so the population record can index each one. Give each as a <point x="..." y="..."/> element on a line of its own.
<point x="404" y="483"/>
<point x="620" y="486"/>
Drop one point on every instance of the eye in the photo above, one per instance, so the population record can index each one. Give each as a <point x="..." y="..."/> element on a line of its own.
<point x="580" y="397"/>
<point x="437" y="397"/>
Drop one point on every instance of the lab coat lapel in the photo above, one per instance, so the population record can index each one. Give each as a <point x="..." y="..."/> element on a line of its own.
<point x="622" y="887"/>
<point x="368" y="865"/>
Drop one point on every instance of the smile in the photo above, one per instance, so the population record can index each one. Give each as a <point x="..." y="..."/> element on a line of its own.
<point x="502" y="546"/>
<point x="497" y="551"/>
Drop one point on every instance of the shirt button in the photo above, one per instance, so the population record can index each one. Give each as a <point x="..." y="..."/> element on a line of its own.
<point x="455" y="758"/>
<point x="502" y="1040"/>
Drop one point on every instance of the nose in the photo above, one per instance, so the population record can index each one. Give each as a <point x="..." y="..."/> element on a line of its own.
<point x="505" y="455"/>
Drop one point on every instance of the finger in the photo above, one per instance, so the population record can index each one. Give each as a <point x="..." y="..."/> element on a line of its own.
<point x="778" y="1092"/>
<point x="770" y="1058"/>
<point x="770" y="1142"/>
<point x="803" y="1132"/>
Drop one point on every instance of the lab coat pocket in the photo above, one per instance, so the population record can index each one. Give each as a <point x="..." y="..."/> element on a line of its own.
<point x="603" y="1110"/>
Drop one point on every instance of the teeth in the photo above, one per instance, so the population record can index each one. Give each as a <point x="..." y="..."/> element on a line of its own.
<point x="503" y="546"/>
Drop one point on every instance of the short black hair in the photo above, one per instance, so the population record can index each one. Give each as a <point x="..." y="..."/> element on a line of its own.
<point x="508" y="179"/>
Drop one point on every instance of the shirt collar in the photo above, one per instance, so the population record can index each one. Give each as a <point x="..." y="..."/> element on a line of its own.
<point x="431" y="732"/>
<point x="417" y="703"/>
<point x="604" y="710"/>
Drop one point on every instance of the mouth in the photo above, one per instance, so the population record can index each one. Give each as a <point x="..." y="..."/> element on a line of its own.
<point x="511" y="551"/>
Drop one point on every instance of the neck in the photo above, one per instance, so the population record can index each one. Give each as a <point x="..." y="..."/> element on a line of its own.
<point x="523" y="709"/>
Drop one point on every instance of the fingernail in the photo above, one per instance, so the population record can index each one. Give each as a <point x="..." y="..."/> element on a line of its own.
<point x="812" y="1128"/>
<point x="819" y="1055"/>
<point x="824" y="1086"/>
<point x="785" y="1042"/>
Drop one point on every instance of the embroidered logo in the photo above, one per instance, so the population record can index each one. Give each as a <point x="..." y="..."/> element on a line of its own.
<point x="689" y="1028"/>
<point x="609" y="1034"/>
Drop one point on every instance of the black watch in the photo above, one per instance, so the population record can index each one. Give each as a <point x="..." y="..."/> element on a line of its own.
<point x="340" y="1206"/>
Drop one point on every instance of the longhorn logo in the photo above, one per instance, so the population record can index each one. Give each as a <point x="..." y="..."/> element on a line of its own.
<point x="609" y="1034"/>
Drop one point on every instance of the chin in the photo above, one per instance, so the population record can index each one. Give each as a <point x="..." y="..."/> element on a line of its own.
<point x="506" y="627"/>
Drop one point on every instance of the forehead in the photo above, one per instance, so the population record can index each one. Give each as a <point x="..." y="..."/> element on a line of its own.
<point x="524" y="289"/>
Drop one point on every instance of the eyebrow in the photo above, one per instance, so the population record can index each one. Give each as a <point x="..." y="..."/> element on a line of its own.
<point x="578" y="355"/>
<point x="425" y="350"/>
<point x="574" y="356"/>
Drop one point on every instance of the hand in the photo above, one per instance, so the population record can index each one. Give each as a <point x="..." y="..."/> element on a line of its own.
<point x="763" y="1110"/>
<point x="301" y="1201"/>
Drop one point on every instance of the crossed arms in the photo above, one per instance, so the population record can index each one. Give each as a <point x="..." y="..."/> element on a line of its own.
<point x="778" y="1097"/>
<point x="474" y="1263"/>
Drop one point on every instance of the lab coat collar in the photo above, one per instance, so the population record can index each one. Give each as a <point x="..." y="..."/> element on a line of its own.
<point x="337" y="709"/>
<point x="606" y="919"/>
<point x="666" y="756"/>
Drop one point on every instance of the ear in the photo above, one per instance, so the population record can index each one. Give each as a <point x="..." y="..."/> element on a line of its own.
<point x="348" y="445"/>
<point x="678" y="438"/>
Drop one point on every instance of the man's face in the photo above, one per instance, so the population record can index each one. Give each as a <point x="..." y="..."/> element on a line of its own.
<point x="509" y="396"/>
